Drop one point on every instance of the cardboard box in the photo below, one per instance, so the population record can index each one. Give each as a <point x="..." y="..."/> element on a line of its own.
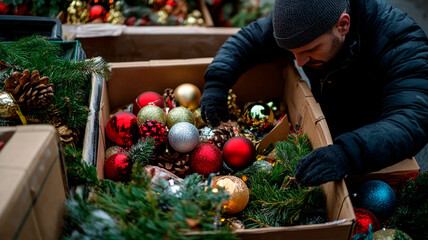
<point x="33" y="183"/>
<point x="123" y="43"/>
<point x="277" y="79"/>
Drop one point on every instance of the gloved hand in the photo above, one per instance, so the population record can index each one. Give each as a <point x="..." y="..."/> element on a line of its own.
<point x="322" y="165"/>
<point x="214" y="106"/>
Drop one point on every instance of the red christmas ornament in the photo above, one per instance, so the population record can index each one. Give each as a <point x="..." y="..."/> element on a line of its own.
<point x="117" y="167"/>
<point x="364" y="219"/>
<point x="206" y="159"/>
<point x="122" y="129"/>
<point x="239" y="153"/>
<point x="147" y="98"/>
<point x="4" y="8"/>
<point x="152" y="128"/>
<point x="97" y="12"/>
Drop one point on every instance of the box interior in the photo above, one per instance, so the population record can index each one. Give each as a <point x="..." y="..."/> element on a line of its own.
<point x="276" y="79"/>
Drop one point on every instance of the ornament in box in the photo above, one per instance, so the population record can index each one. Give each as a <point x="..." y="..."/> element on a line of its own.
<point x="377" y="197"/>
<point x="113" y="150"/>
<point x="147" y="98"/>
<point x="391" y="234"/>
<point x="151" y="112"/>
<point x="199" y="122"/>
<point x="239" y="153"/>
<point x="122" y="129"/>
<point x="156" y="130"/>
<point x="205" y="159"/>
<point x="188" y="95"/>
<point x="117" y="167"/>
<point x="238" y="192"/>
<point x="258" y="118"/>
<point x="364" y="219"/>
<point x="183" y="137"/>
<point x="179" y="114"/>
<point x="10" y="113"/>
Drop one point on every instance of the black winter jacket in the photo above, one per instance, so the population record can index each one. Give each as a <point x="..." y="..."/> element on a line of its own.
<point x="374" y="94"/>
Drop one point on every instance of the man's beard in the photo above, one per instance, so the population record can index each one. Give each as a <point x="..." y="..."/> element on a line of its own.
<point x="319" y="64"/>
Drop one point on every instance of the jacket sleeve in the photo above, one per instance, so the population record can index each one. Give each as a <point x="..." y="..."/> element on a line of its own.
<point x="399" y="54"/>
<point x="252" y="45"/>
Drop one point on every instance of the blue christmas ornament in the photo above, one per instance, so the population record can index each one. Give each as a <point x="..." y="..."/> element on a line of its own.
<point x="377" y="197"/>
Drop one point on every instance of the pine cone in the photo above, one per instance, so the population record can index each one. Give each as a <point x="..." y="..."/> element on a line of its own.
<point x="219" y="135"/>
<point x="175" y="162"/>
<point x="3" y="65"/>
<point x="67" y="135"/>
<point x="30" y="91"/>
<point x="169" y="98"/>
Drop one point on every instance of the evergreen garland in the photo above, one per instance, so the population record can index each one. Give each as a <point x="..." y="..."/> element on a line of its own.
<point x="139" y="210"/>
<point x="78" y="171"/>
<point x="412" y="208"/>
<point x="71" y="79"/>
<point x="275" y="197"/>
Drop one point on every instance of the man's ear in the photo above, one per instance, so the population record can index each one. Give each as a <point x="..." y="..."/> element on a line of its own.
<point x="343" y="24"/>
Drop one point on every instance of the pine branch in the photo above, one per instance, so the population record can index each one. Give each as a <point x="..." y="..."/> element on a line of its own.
<point x="78" y="171"/>
<point x="135" y="211"/>
<point x="142" y="152"/>
<point x="275" y="197"/>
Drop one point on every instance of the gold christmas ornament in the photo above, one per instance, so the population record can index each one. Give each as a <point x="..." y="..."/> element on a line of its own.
<point x="188" y="95"/>
<point x="199" y="122"/>
<point x="114" y="15"/>
<point x="238" y="192"/>
<point x="151" y="112"/>
<point x="179" y="114"/>
<point x="10" y="113"/>
<point x="113" y="150"/>
<point x="390" y="234"/>
<point x="162" y="16"/>
<point x="77" y="12"/>
<point x="194" y="18"/>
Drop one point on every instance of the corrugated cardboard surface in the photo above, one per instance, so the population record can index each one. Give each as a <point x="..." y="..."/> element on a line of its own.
<point x="32" y="184"/>
<point x="263" y="82"/>
<point x="137" y="43"/>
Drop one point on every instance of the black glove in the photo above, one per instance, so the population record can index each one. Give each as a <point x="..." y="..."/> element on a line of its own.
<point x="322" y="165"/>
<point x="214" y="106"/>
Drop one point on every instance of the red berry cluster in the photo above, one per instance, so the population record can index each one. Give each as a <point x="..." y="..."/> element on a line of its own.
<point x="154" y="129"/>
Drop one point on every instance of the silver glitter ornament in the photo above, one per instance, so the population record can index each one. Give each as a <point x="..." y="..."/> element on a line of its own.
<point x="183" y="137"/>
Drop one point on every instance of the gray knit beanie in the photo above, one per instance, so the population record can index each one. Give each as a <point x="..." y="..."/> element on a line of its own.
<point x="299" y="22"/>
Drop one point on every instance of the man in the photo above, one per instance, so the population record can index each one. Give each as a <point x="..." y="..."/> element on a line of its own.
<point x="367" y="63"/>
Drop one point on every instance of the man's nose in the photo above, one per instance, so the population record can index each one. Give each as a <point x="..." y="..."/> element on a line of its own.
<point x="301" y="59"/>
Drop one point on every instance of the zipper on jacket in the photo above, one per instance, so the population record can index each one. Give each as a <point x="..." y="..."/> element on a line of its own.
<point x="322" y="81"/>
